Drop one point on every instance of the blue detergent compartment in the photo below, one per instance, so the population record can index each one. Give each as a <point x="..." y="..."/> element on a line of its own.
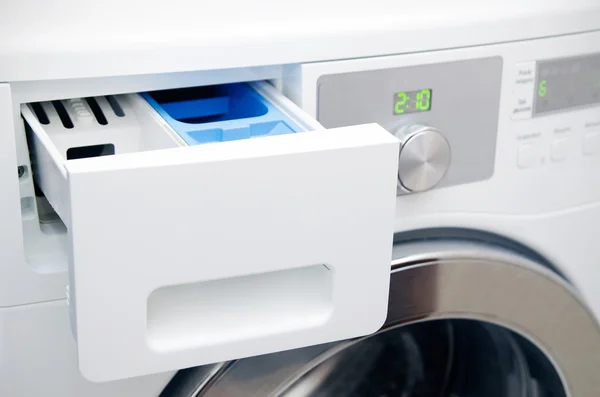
<point x="219" y="113"/>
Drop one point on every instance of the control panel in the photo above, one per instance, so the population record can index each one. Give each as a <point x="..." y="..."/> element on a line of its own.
<point x="518" y="118"/>
<point x="445" y="115"/>
<point x="555" y="109"/>
<point x="556" y="86"/>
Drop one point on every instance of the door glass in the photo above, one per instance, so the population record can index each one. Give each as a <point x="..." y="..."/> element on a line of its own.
<point x="458" y="358"/>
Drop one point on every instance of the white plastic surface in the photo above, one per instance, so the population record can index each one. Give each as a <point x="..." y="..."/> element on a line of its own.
<point x="144" y="221"/>
<point x="38" y="357"/>
<point x="193" y="255"/>
<point x="117" y="44"/>
<point x="21" y="279"/>
<point x="62" y="39"/>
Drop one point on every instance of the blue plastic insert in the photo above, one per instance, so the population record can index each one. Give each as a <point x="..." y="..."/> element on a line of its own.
<point x="219" y="113"/>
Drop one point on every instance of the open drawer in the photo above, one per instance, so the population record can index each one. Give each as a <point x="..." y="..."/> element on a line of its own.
<point x="185" y="254"/>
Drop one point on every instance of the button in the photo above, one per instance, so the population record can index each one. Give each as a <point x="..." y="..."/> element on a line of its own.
<point x="523" y="87"/>
<point x="522" y="104"/>
<point x="528" y="156"/>
<point x="525" y="74"/>
<point x="558" y="150"/>
<point x="591" y="142"/>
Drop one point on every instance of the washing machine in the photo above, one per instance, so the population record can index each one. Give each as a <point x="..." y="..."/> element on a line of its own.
<point x="354" y="206"/>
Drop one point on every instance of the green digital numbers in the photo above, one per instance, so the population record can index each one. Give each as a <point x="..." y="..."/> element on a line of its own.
<point x="412" y="101"/>
<point x="424" y="100"/>
<point x="543" y="88"/>
<point x="402" y="99"/>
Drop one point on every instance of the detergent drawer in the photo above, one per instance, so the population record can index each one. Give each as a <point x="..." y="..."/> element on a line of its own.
<point x="213" y="225"/>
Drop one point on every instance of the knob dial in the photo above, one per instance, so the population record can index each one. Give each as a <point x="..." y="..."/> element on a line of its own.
<point x="424" y="158"/>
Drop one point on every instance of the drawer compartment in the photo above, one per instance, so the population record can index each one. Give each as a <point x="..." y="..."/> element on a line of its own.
<point x="64" y="131"/>
<point x="218" y="114"/>
<point x="190" y="247"/>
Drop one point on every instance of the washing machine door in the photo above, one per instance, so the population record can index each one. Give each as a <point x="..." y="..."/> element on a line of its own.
<point x="465" y="319"/>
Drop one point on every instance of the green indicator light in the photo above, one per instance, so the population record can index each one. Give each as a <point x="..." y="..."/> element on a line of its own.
<point x="424" y="100"/>
<point x="543" y="89"/>
<point x="401" y="101"/>
<point x="407" y="102"/>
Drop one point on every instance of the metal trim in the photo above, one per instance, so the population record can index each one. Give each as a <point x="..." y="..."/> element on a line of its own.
<point x="462" y="280"/>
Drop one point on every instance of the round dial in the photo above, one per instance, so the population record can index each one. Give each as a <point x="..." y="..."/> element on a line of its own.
<point x="424" y="158"/>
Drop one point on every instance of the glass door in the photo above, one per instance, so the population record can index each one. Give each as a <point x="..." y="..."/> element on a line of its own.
<point x="453" y="358"/>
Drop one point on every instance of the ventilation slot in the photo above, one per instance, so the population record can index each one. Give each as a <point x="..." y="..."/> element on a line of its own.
<point x="83" y="152"/>
<point x="98" y="114"/>
<point x="40" y="113"/>
<point x="116" y="107"/>
<point x="62" y="113"/>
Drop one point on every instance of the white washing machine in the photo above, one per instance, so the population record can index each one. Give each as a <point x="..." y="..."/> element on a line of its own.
<point x="189" y="219"/>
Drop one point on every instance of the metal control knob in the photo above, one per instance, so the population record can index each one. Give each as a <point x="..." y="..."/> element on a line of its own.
<point x="424" y="158"/>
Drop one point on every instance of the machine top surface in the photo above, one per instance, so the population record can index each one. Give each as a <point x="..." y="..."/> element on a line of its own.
<point x="43" y="40"/>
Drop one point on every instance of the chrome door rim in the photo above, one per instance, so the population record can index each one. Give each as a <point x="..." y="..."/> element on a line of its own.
<point x="494" y="285"/>
<point x="434" y="280"/>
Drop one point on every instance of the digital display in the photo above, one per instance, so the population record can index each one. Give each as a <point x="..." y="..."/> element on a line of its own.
<point x="406" y="102"/>
<point x="567" y="83"/>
